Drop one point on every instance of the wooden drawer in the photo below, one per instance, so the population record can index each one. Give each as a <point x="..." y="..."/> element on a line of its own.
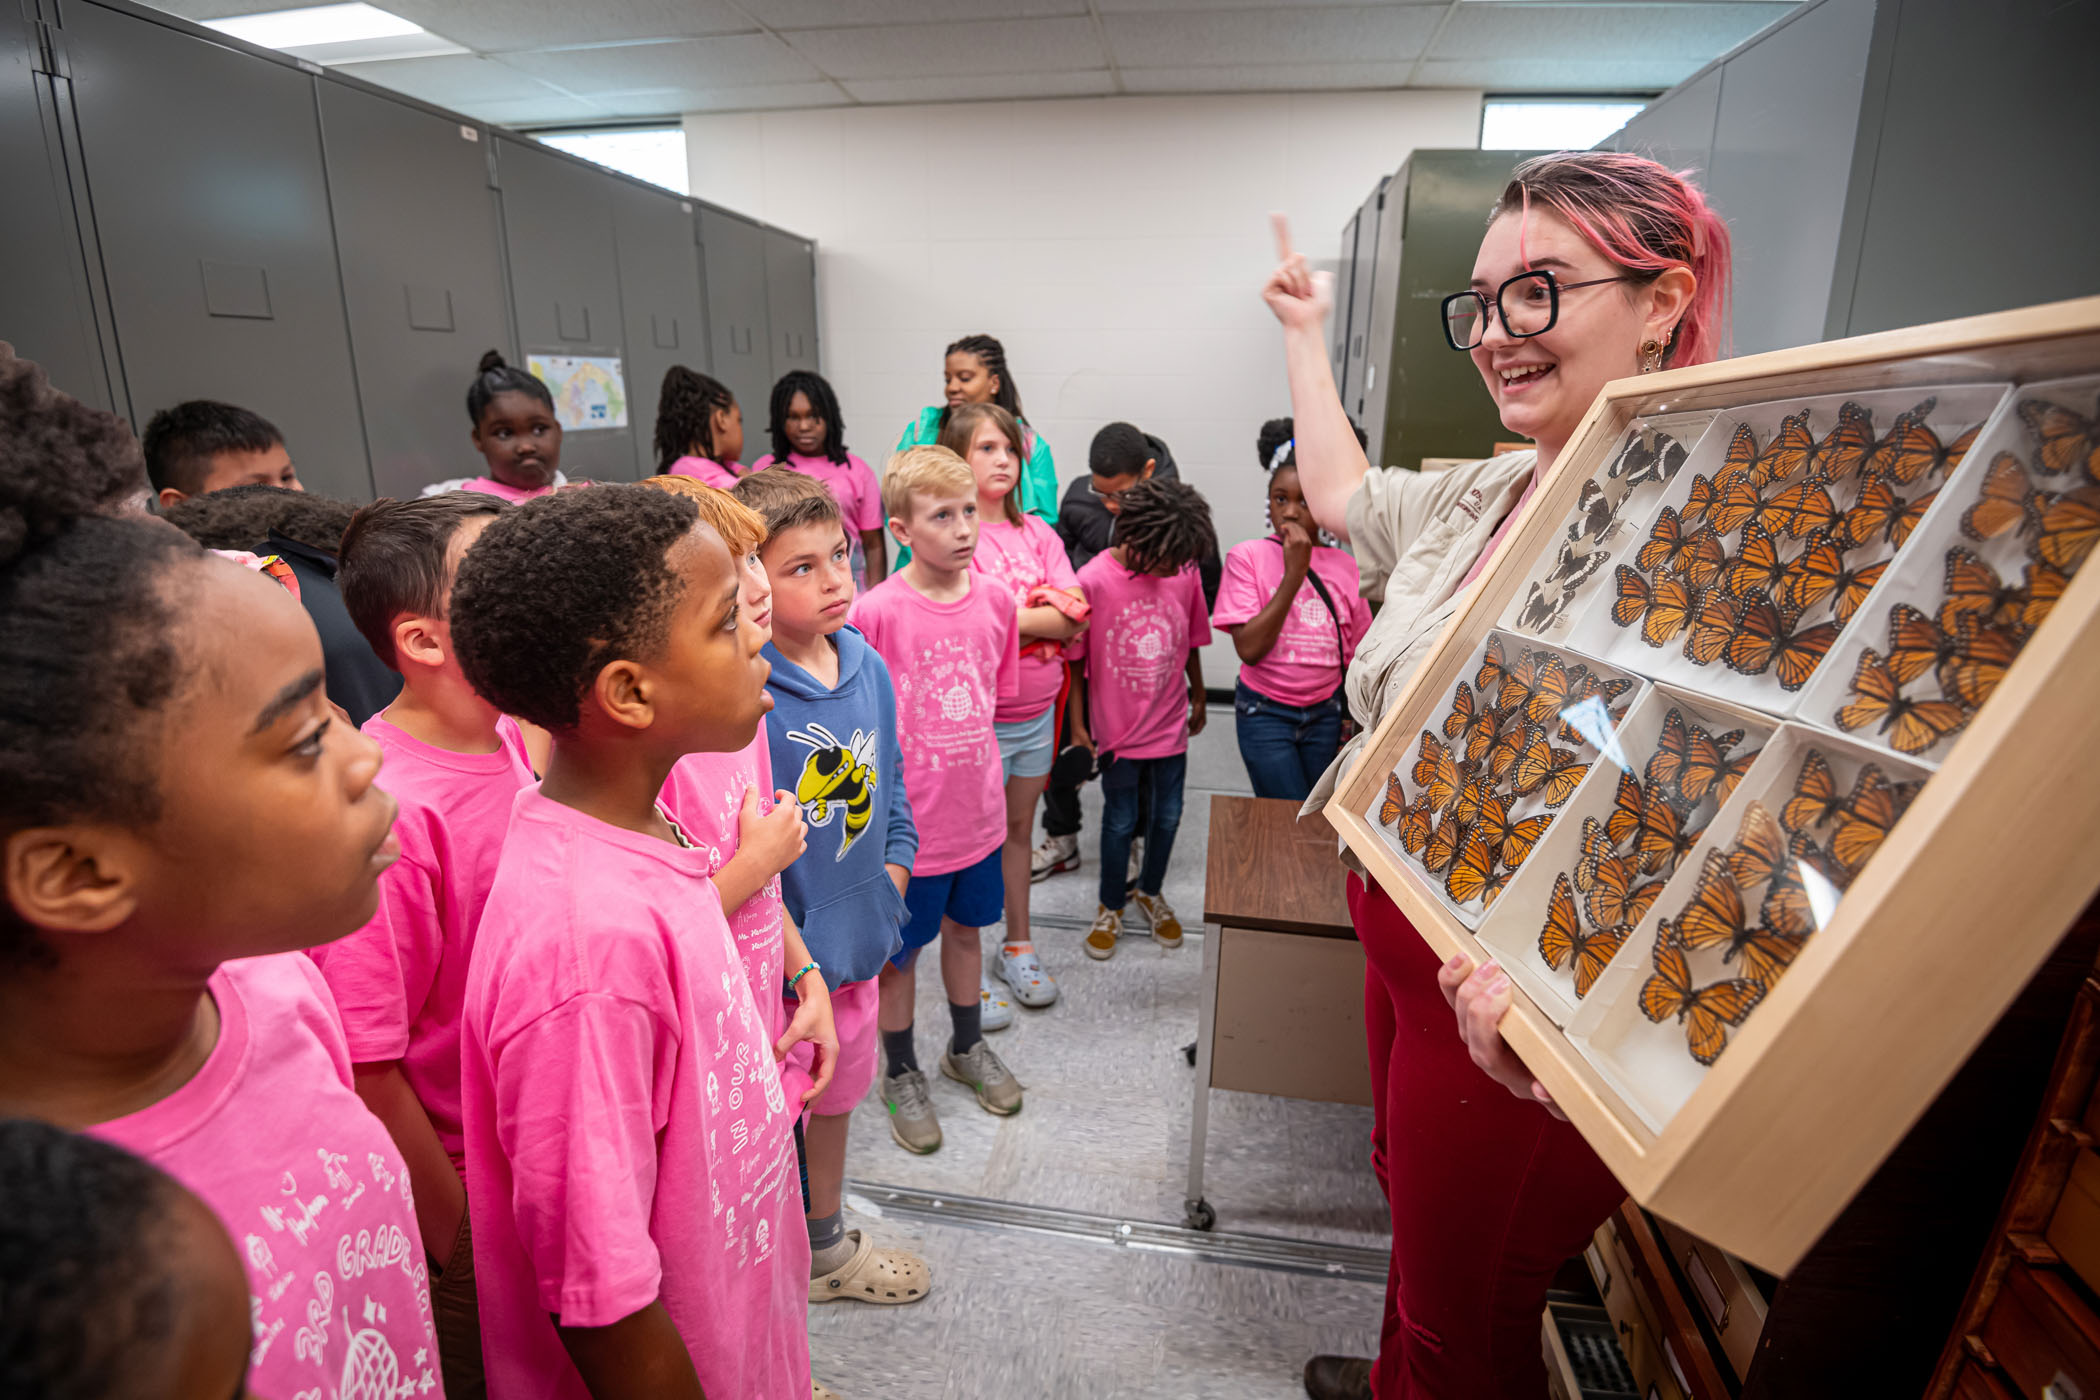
<point x="2044" y="1335"/>
<point x="1975" y="1383"/>
<point x="1640" y="1340"/>
<point x="1583" y="1358"/>
<point x="1722" y="1289"/>
<point x="2074" y="1228"/>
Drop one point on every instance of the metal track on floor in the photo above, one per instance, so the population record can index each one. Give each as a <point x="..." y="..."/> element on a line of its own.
<point x="1132" y="929"/>
<point x="1292" y="1256"/>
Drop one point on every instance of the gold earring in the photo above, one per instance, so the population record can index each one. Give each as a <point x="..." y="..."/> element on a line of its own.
<point x="1651" y="356"/>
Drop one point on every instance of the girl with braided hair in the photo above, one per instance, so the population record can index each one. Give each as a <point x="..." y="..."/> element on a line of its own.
<point x="809" y="436"/>
<point x="975" y="372"/>
<point x="515" y="431"/>
<point x="699" y="429"/>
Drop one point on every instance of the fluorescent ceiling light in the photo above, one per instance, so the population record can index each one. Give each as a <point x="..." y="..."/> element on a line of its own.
<point x="350" y="33"/>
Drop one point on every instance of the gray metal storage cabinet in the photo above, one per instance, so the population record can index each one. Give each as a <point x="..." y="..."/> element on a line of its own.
<point x="1363" y="289"/>
<point x="1338" y="318"/>
<point x="212" y="207"/>
<point x="422" y="255"/>
<point x="739" y="325"/>
<point x="565" y="284"/>
<point x="664" y="304"/>
<point x="791" y="301"/>
<point x="46" y="311"/>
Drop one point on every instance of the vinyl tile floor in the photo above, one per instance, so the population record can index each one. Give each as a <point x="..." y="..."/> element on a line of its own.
<point x="1105" y="1131"/>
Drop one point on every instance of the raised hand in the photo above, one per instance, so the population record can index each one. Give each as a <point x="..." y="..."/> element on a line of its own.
<point x="1299" y="297"/>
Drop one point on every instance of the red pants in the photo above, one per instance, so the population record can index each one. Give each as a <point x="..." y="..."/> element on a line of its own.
<point x="1490" y="1193"/>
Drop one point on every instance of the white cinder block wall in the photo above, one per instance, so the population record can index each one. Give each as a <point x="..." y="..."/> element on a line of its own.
<point x="1116" y="246"/>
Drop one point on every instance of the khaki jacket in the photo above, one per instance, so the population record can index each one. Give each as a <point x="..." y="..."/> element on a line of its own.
<point x="1415" y="536"/>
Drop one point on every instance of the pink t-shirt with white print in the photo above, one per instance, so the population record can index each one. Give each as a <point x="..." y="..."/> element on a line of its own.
<point x="705" y="470"/>
<point x="705" y="796"/>
<point x="851" y="483"/>
<point x="952" y="664"/>
<point x="1136" y="654"/>
<point x="400" y="981"/>
<point x="270" y="1134"/>
<point x="1312" y="650"/>
<point x="489" y="486"/>
<point x="1021" y="558"/>
<point x="628" y="1140"/>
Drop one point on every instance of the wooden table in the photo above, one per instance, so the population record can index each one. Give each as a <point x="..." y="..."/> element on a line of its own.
<point x="1283" y="1009"/>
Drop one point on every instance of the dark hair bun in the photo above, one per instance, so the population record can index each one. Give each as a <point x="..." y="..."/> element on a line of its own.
<point x="59" y="459"/>
<point x="492" y="360"/>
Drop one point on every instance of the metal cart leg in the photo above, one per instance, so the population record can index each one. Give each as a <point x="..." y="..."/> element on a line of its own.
<point x="1199" y="1215"/>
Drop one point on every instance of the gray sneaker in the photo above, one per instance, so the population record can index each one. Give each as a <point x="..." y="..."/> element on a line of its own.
<point x="912" y="1119"/>
<point x="997" y="1089"/>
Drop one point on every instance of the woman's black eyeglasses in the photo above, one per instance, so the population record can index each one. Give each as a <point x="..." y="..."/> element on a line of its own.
<point x="1466" y="314"/>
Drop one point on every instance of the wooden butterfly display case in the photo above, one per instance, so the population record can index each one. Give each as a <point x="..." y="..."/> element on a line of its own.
<point x="1672" y="762"/>
<point x="1513" y="745"/>
<point x="1889" y="609"/>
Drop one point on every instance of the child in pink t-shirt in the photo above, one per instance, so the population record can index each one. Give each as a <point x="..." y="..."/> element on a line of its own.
<point x="183" y="812"/>
<point x="1025" y="557"/>
<point x="1292" y="607"/>
<point x="631" y="1166"/>
<point x="950" y="641"/>
<point x="455" y="766"/>
<point x="515" y="430"/>
<point x="809" y="436"/>
<point x="1138" y="679"/>
<point x="699" y="429"/>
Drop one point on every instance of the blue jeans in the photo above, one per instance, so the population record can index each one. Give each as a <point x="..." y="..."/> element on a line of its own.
<point x="1120" y="782"/>
<point x="1286" y="747"/>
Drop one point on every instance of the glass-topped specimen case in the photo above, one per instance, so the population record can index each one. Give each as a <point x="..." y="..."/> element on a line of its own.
<point x="1774" y="700"/>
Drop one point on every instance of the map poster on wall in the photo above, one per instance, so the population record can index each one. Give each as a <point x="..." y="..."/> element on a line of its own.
<point x="589" y="391"/>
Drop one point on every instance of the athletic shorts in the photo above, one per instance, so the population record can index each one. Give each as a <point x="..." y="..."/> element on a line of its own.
<point x="974" y="896"/>
<point x="1027" y="746"/>
<point x="853" y="1008"/>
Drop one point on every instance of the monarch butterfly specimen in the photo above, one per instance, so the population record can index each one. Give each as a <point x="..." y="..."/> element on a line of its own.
<point x="1672" y="743"/>
<point x="1395" y="801"/>
<point x="1671" y="548"/>
<point x="1511" y="841"/>
<point x="2067" y="439"/>
<point x="1582" y="686"/>
<point x="1469" y="724"/>
<point x="1415" y="825"/>
<point x="1737" y="500"/>
<point x="1868" y="815"/>
<point x="1662" y="839"/>
<point x="1764" y="639"/>
<point x="1760" y="849"/>
<point x="1974" y="587"/>
<point x="1705" y="1011"/>
<point x="1436" y="772"/>
<point x="1882" y="514"/>
<point x="1819" y="572"/>
<point x="1757" y="566"/>
<point x="1557" y="771"/>
<point x="1443" y="844"/>
<point x="1471" y="868"/>
<point x="1913" y="726"/>
<point x="1714" y="620"/>
<point x="1625" y="817"/>
<point x="1816" y="798"/>
<point x="2070" y="527"/>
<point x="1917" y="644"/>
<point x="1764" y="953"/>
<point x="1982" y="655"/>
<point x="1492" y="673"/>
<point x="1508" y="747"/>
<point x="1707" y="766"/>
<point x="1549" y="690"/>
<point x="1662" y="607"/>
<point x="1714" y="918"/>
<point x="1845" y="450"/>
<point x="1786" y="453"/>
<point x="1697" y="502"/>
<point x="2007" y="500"/>
<point x="1471" y="797"/>
<point x="1801" y="509"/>
<point x="1911" y="449"/>
<point x="1562" y="939"/>
<point x="2042" y="584"/>
<point x="1610" y="884"/>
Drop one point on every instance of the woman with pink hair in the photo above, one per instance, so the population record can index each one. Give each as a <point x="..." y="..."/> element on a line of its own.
<point x="1595" y="265"/>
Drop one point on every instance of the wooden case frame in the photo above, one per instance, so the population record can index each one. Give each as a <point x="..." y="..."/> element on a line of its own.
<point x="1964" y="901"/>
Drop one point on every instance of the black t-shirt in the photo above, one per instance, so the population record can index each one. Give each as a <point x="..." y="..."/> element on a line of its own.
<point x="357" y="679"/>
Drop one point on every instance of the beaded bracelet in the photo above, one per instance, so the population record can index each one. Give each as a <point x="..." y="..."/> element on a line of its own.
<point x="807" y="969"/>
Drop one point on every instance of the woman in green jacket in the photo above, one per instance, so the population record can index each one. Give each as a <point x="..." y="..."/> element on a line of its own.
<point x="976" y="373"/>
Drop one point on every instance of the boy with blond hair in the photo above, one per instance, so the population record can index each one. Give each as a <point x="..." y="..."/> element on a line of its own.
<point x="953" y="650"/>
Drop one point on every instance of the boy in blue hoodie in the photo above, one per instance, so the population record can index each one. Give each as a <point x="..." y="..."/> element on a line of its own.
<point x="833" y="737"/>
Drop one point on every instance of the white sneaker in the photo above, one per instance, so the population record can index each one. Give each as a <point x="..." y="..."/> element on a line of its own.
<point x="1056" y="855"/>
<point x="1137" y="861"/>
<point x="998" y="1011"/>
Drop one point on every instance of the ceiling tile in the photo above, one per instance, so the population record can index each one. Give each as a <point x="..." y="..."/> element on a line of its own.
<point x="1258" y="38"/>
<point x="757" y="97"/>
<point x="740" y="60"/>
<point x="201" y="10"/>
<point x="497" y="26"/>
<point x="453" y="80"/>
<point x="988" y="87"/>
<point x="928" y="51"/>
<point x="829" y="14"/>
<point x="1599" y="32"/>
<point x="1279" y="77"/>
<point x="1557" y="75"/>
<point x="1108" y="7"/>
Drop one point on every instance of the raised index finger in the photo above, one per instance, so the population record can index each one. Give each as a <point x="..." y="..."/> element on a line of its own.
<point x="1281" y="223"/>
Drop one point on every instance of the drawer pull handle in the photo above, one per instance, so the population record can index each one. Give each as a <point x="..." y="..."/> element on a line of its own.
<point x="2033" y="1250"/>
<point x="2072" y="1129"/>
